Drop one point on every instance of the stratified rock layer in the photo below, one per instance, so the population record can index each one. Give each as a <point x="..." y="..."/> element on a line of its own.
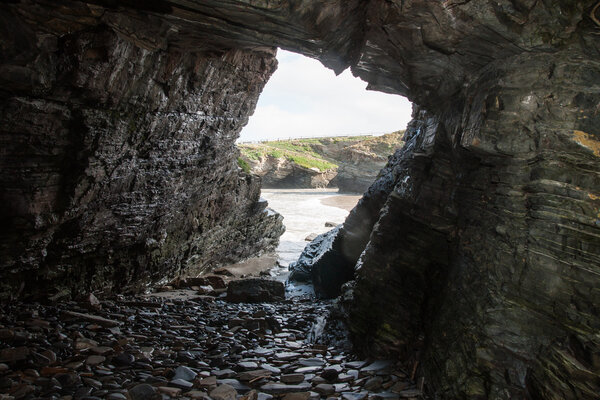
<point x="478" y="250"/>
<point x="119" y="164"/>
<point x="354" y="161"/>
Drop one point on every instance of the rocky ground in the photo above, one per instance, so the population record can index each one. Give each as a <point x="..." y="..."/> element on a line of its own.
<point x="201" y="347"/>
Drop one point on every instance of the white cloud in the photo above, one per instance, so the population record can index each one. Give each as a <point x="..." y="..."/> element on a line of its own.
<point x="303" y="98"/>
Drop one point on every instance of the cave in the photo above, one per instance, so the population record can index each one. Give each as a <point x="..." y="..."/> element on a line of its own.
<point x="477" y="250"/>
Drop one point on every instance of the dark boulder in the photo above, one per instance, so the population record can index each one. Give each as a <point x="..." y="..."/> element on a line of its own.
<point x="324" y="263"/>
<point x="255" y="291"/>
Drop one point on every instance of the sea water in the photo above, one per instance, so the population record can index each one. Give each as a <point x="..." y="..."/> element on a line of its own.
<point x="305" y="212"/>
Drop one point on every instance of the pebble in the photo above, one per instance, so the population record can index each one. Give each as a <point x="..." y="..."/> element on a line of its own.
<point x="311" y="362"/>
<point x="196" y="394"/>
<point x="224" y="373"/>
<point x="170" y="391"/>
<point x="373" y="384"/>
<point x="292" y="378"/>
<point x="331" y="373"/>
<point x="252" y="375"/>
<point x="148" y="348"/>
<point x="116" y="396"/>
<point x="237" y="385"/>
<point x="354" y="396"/>
<point x="297" y="396"/>
<point x="247" y="365"/>
<point x="223" y="392"/>
<point x="95" y="360"/>
<point x="185" y="373"/>
<point x="141" y="392"/>
<point x="181" y="383"/>
<point x="280" y="388"/>
<point x="376" y="366"/>
<point x="12" y="355"/>
<point x="208" y="382"/>
<point x="324" y="389"/>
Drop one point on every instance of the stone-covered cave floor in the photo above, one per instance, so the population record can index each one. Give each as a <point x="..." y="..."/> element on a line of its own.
<point x="136" y="347"/>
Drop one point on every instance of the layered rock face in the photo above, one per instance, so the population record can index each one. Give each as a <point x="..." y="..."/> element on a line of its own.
<point x="281" y="173"/>
<point x="478" y="250"/>
<point x="350" y="164"/>
<point x="118" y="161"/>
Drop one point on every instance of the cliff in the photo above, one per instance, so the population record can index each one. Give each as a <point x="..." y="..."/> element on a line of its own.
<point x="477" y="251"/>
<point x="348" y="163"/>
<point x="118" y="159"/>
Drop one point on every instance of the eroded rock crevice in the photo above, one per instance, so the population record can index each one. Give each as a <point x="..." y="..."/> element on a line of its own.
<point x="476" y="252"/>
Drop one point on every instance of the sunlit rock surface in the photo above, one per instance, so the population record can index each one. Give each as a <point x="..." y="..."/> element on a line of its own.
<point x="478" y="250"/>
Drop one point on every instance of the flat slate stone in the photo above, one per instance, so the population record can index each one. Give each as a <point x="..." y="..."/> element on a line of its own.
<point x="297" y="396"/>
<point x="292" y="378"/>
<point x="248" y="365"/>
<point x="324" y="389"/>
<point x="185" y="373"/>
<point x="270" y="368"/>
<point x="280" y="388"/>
<point x="308" y="370"/>
<point x="234" y="383"/>
<point x="224" y="373"/>
<point x="223" y="392"/>
<point x="287" y="355"/>
<point x="354" y="396"/>
<point x="250" y="375"/>
<point x="311" y="362"/>
<point x="376" y="366"/>
<point x="210" y="381"/>
<point x="142" y="391"/>
<point x="264" y="396"/>
<point x="181" y="383"/>
<point x="356" y="364"/>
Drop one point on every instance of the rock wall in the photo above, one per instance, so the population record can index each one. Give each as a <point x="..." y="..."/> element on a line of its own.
<point x="478" y="249"/>
<point x="354" y="162"/>
<point x="118" y="161"/>
<point x="281" y="173"/>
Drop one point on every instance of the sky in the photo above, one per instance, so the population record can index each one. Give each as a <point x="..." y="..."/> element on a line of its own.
<point x="305" y="99"/>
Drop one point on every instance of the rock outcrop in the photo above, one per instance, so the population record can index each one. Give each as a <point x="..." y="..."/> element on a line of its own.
<point x="478" y="251"/>
<point x="281" y="173"/>
<point x="348" y="163"/>
<point x="255" y="291"/>
<point x="324" y="264"/>
<point x="118" y="161"/>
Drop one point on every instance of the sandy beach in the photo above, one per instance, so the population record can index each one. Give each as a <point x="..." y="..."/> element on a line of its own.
<point x="343" y="201"/>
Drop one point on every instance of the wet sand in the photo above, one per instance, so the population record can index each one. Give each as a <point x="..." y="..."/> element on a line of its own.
<point x="343" y="201"/>
<point x="253" y="266"/>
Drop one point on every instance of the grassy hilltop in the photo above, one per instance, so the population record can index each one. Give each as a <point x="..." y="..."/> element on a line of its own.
<point x="322" y="154"/>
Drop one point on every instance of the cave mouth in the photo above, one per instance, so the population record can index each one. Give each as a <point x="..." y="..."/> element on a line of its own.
<point x="313" y="129"/>
<point x="119" y="168"/>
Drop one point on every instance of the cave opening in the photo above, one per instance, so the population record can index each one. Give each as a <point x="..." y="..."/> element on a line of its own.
<point x="318" y="141"/>
<point x="119" y="170"/>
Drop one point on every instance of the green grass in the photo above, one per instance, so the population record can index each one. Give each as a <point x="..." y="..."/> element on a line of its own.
<point x="306" y="159"/>
<point x="243" y="165"/>
<point x="294" y="145"/>
<point x="305" y="152"/>
<point x="310" y="162"/>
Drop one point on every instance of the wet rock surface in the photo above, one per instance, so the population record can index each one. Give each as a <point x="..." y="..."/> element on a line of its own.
<point x="476" y="251"/>
<point x="323" y="265"/>
<point x="115" y="182"/>
<point x="196" y="349"/>
<point x="255" y="291"/>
